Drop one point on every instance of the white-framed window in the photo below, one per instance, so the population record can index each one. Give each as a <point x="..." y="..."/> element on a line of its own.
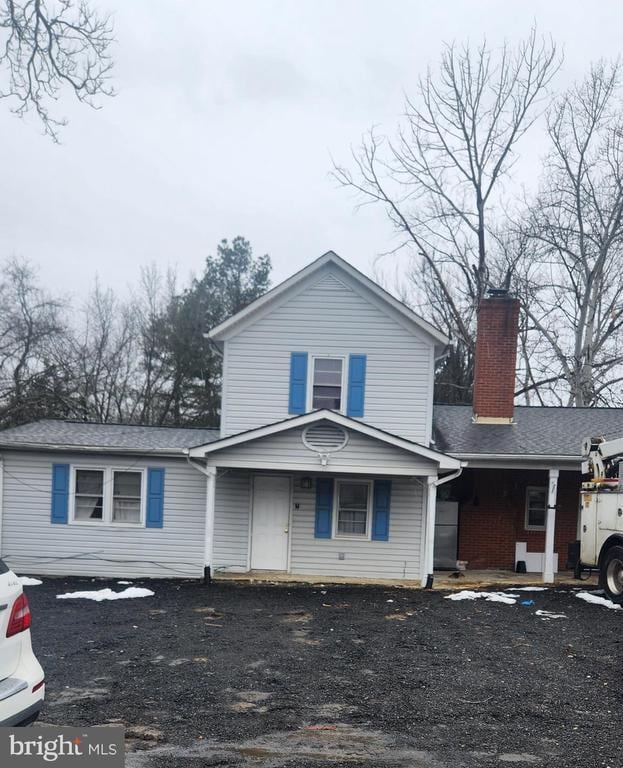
<point x="107" y="496"/>
<point x="536" y="508"/>
<point x="353" y="509"/>
<point x="327" y="383"/>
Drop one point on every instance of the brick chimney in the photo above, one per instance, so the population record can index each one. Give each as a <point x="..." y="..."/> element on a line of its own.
<point x="496" y="358"/>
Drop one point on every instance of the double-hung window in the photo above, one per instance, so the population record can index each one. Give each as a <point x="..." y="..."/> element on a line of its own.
<point x="327" y="383"/>
<point x="536" y="508"/>
<point x="89" y="495"/>
<point x="353" y="509"/>
<point x="108" y="496"/>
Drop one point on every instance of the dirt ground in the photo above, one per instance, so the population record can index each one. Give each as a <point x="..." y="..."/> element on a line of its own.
<point x="286" y="676"/>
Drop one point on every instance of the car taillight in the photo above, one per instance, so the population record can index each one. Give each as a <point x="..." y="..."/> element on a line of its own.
<point x="20" y="616"/>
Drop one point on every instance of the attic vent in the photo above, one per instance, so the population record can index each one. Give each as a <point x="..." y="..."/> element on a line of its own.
<point x="325" y="438"/>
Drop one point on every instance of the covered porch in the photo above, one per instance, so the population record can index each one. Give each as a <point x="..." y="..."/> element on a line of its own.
<point x="321" y="495"/>
<point x="512" y="510"/>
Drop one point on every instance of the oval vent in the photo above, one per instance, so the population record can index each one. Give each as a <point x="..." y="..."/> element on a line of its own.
<point x="325" y="438"/>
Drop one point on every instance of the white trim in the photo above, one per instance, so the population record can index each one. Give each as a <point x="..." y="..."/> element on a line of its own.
<point x="240" y="319"/>
<point x="444" y="461"/>
<point x="527" y="526"/>
<point x="309" y="405"/>
<point x="336" y="495"/>
<point x="550" y="529"/>
<point x="310" y="469"/>
<point x="107" y="497"/>
<point x="223" y="403"/>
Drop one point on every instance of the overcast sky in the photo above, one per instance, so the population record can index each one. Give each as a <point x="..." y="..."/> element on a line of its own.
<point x="226" y="117"/>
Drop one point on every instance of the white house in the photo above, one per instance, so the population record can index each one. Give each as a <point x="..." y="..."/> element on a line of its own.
<point x="328" y="460"/>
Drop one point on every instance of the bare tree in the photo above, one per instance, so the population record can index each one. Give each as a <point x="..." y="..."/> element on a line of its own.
<point x="440" y="180"/>
<point x="47" y="46"/>
<point x="101" y="358"/>
<point x="571" y="274"/>
<point x="30" y="326"/>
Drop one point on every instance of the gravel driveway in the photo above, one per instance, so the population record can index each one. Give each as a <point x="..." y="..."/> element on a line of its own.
<point x="239" y="675"/>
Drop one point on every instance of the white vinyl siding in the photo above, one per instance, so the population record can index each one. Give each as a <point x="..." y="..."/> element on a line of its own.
<point x="32" y="544"/>
<point x="231" y="521"/>
<point x="397" y="558"/>
<point x="330" y="318"/>
<point x="286" y="450"/>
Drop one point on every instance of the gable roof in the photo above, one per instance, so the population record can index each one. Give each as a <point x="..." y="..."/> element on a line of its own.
<point x="248" y="315"/>
<point x="444" y="461"/>
<point x="538" y="431"/>
<point x="50" y="434"/>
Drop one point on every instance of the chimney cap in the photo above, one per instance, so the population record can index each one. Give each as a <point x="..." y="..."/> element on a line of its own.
<point x="497" y="293"/>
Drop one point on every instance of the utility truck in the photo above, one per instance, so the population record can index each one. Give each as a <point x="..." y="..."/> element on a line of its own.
<point x="601" y="520"/>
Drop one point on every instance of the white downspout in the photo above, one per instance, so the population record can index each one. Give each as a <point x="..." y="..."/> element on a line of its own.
<point x="432" y="482"/>
<point x="550" y="527"/>
<point x="208" y="541"/>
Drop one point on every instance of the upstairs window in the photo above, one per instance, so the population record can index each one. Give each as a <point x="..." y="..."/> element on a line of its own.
<point x="327" y="383"/>
<point x="536" y="508"/>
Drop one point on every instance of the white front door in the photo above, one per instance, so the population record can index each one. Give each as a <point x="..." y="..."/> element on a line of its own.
<point x="271" y="516"/>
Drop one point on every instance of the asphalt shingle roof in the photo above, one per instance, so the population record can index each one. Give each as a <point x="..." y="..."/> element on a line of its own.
<point x="124" y="437"/>
<point x="536" y="431"/>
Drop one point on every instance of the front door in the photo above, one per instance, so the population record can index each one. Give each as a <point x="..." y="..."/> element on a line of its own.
<point x="271" y="516"/>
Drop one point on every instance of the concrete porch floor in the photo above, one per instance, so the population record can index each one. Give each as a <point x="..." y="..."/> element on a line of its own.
<point x="443" y="579"/>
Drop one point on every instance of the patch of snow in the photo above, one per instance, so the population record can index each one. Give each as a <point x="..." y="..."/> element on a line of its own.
<point x="490" y="597"/>
<point x="390" y="601"/>
<point x="530" y="589"/>
<point x="107" y="594"/>
<point x="547" y="615"/>
<point x="28" y="581"/>
<point x="598" y="600"/>
<point x="124" y="582"/>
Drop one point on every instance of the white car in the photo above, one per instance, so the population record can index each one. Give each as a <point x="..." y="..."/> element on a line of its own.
<point x="22" y="685"/>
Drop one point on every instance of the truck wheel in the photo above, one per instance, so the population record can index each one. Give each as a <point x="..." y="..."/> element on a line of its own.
<point x="611" y="574"/>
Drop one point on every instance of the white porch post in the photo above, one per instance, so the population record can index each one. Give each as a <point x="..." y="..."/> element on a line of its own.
<point x="429" y="534"/>
<point x="550" y="526"/>
<point x="210" y="473"/>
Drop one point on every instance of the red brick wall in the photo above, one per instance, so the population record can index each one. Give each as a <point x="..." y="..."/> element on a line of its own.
<point x="492" y="515"/>
<point x="496" y="357"/>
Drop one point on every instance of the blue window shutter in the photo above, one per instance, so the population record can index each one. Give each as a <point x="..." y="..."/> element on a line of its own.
<point x="298" y="382"/>
<point x="324" y="508"/>
<point x="356" y="385"/>
<point x="155" y="497"/>
<point x="380" y="514"/>
<point x="60" y="493"/>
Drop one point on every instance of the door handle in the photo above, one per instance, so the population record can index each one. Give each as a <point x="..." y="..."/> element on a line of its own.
<point x="285" y="530"/>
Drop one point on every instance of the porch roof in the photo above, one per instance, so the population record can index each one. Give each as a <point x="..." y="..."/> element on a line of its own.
<point x="538" y="434"/>
<point x="441" y="460"/>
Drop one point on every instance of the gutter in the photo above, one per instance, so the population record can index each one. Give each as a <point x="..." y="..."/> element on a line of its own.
<point x="63" y="447"/>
